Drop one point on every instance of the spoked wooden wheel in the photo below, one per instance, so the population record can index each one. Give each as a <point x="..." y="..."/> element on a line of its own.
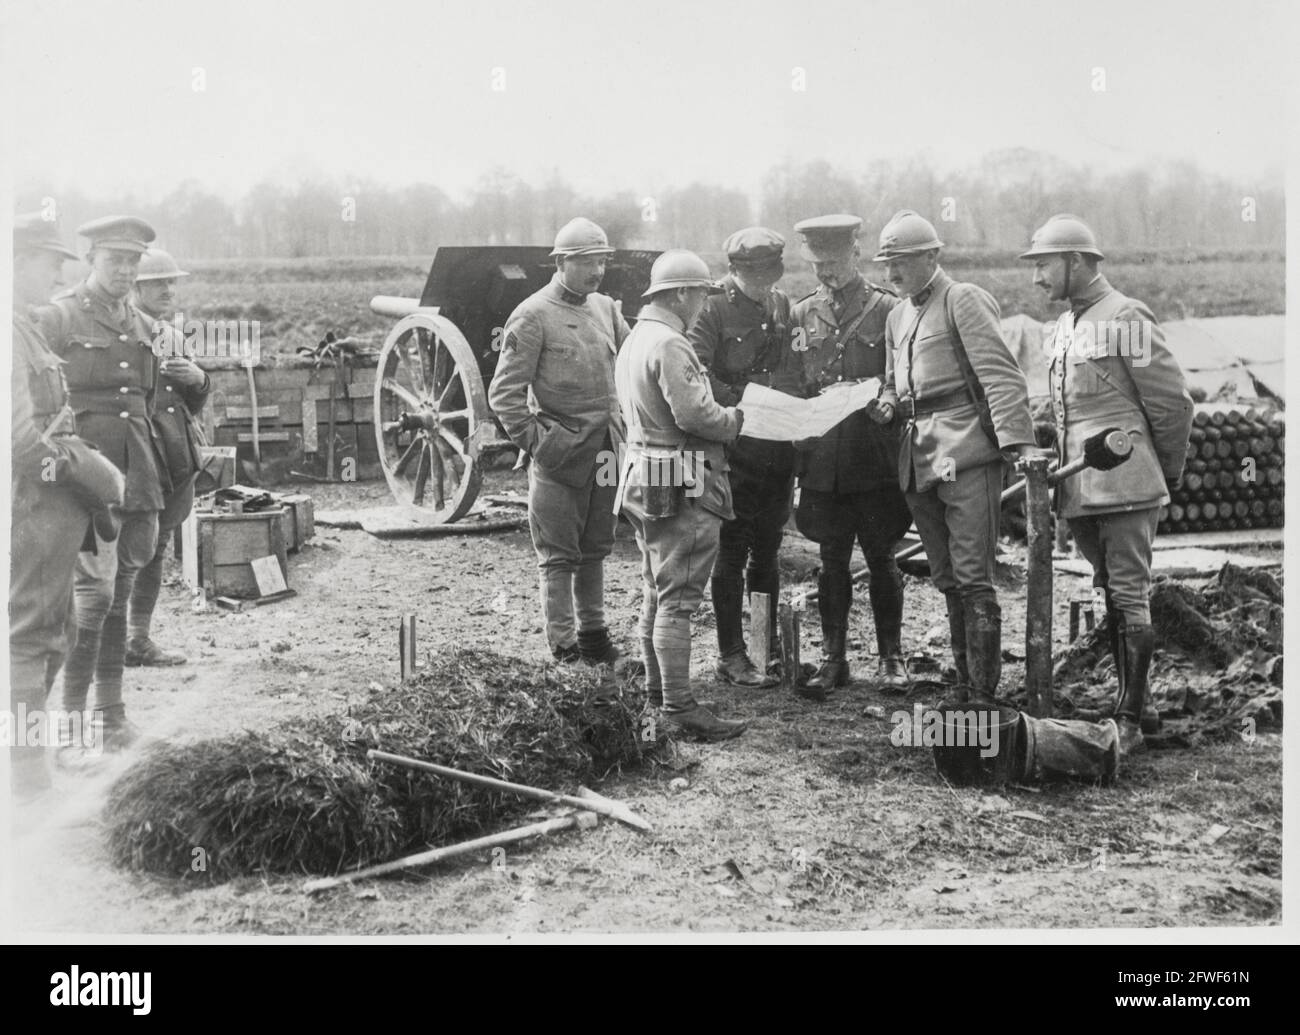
<point x="430" y="415"/>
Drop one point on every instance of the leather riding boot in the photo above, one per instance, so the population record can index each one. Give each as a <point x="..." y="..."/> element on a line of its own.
<point x="728" y="596"/>
<point x="957" y="633"/>
<point x="886" y="592"/>
<point x="834" y="598"/>
<point x="984" y="645"/>
<point x="1139" y="646"/>
<point x="1116" y="624"/>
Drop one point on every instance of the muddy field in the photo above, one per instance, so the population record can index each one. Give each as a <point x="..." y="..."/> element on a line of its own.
<point x="297" y="300"/>
<point x="812" y="821"/>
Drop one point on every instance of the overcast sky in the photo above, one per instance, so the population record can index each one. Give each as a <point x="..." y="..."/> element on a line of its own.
<point x="637" y="96"/>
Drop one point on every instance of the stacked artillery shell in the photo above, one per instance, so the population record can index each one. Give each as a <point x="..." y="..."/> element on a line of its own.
<point x="1233" y="477"/>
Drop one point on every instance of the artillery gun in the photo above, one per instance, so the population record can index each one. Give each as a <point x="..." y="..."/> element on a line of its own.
<point x="433" y="426"/>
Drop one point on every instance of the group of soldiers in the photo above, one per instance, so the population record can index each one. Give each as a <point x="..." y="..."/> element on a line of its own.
<point x="709" y="504"/>
<point x="105" y="451"/>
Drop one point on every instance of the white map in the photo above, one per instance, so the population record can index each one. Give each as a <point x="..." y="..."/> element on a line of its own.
<point x="778" y="417"/>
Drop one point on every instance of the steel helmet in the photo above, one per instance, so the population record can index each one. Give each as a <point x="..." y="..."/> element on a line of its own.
<point x="905" y="234"/>
<point x="1063" y="233"/>
<point x="581" y="237"/>
<point x="678" y="269"/>
<point x="156" y="264"/>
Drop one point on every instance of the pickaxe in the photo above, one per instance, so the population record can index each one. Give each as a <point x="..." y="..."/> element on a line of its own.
<point x="589" y="802"/>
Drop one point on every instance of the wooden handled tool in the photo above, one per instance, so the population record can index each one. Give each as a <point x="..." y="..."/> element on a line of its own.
<point x="433" y="855"/>
<point x="590" y="800"/>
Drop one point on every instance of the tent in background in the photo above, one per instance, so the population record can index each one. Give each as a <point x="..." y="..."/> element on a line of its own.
<point x="1230" y="357"/>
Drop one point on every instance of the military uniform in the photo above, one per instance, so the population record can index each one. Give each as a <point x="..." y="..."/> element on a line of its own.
<point x="58" y="485"/>
<point x="1113" y="514"/>
<point x="112" y="373"/>
<point x="553" y="392"/>
<point x="740" y="340"/>
<point x="175" y="421"/>
<point x="668" y="407"/>
<point x="949" y="467"/>
<point x="848" y="478"/>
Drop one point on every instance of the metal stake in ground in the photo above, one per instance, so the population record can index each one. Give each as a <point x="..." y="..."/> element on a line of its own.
<point x="406" y="646"/>
<point x="590" y="800"/>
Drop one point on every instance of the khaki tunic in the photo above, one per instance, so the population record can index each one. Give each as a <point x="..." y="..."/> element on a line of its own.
<point x="1110" y="368"/>
<point x="112" y="375"/>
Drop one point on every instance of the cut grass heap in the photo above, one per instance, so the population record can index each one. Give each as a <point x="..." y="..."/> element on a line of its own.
<point x="305" y="799"/>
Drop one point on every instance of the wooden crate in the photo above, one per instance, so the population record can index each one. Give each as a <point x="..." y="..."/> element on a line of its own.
<point x="218" y="549"/>
<point x="301" y="520"/>
<point x="218" y="468"/>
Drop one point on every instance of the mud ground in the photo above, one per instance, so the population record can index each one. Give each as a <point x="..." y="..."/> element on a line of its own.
<point x="813" y="821"/>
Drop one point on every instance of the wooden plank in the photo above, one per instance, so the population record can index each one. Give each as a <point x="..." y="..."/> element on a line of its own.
<point x="206" y="554"/>
<point x="301" y="516"/>
<point x="268" y="576"/>
<point x="367" y="447"/>
<point x="243" y="413"/>
<point x="1183" y="563"/>
<point x="190" y="550"/>
<point x="278" y="546"/>
<point x="310" y="439"/>
<point x="355" y="390"/>
<point x="1210" y="540"/>
<point x="242" y="398"/>
<point x="264" y="436"/>
<point x="237" y="604"/>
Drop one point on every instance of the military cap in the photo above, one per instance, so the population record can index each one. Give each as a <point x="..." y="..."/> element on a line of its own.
<point x="827" y="237"/>
<point x="754" y="245"/>
<point x="125" y="233"/>
<point x="157" y="264"/>
<point x="34" y="233"/>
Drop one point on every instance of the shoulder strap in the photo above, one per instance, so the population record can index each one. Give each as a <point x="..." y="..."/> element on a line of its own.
<point x="852" y="328"/>
<point x="1134" y="396"/>
<point x="62" y="305"/>
<point x="968" y="372"/>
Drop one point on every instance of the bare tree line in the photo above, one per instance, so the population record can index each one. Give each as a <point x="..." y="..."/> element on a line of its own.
<point x="993" y="206"/>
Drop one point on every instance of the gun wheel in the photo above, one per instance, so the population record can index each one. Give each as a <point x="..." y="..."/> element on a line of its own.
<point x="431" y="413"/>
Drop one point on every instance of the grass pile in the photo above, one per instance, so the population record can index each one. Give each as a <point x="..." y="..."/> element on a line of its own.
<point x="304" y="799"/>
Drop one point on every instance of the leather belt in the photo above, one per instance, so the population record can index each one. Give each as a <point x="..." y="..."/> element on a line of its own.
<point x="131" y="402"/>
<point x="911" y="407"/>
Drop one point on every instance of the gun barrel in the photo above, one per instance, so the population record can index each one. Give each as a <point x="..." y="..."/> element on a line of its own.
<point x="394" y="306"/>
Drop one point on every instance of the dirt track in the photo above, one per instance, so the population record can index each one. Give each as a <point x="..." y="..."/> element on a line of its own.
<point x="812" y="821"/>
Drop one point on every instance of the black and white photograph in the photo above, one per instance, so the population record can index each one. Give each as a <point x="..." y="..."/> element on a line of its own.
<point x="565" y="471"/>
